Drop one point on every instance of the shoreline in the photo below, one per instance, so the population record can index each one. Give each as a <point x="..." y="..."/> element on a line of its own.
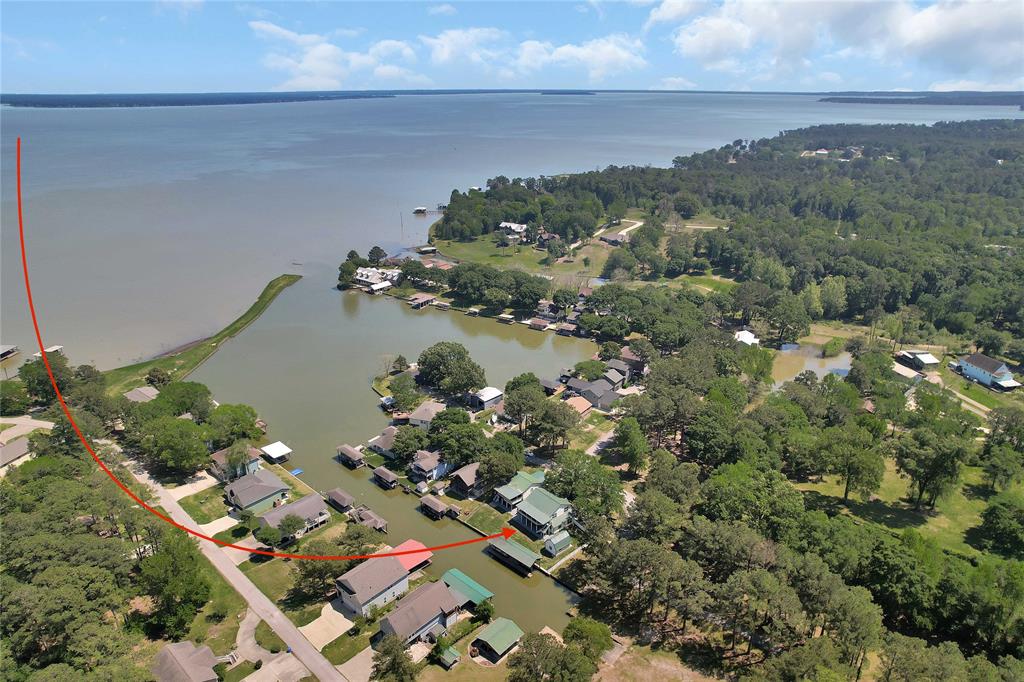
<point x="185" y="359"/>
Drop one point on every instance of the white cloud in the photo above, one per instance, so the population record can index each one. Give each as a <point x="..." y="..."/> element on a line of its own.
<point x="715" y="41"/>
<point x="670" y="11"/>
<point x="314" y="63"/>
<point x="946" y="86"/>
<point x="675" y="83"/>
<point x="445" y="9"/>
<point x="478" y="45"/>
<point x="601" y="56"/>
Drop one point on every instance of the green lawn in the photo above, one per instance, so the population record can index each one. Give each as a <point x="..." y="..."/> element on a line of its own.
<point x="240" y="671"/>
<point x="217" y="623"/>
<point x="487" y="519"/>
<point x="206" y="505"/>
<point x="298" y="487"/>
<point x="977" y="392"/>
<point x="268" y="639"/>
<point x="347" y="646"/>
<point x="949" y="523"/>
<point x="181" y="364"/>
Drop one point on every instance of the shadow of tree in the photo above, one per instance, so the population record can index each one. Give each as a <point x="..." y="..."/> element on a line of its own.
<point x="895" y="516"/>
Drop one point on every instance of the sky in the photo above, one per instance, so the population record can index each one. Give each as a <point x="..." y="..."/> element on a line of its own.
<point x="760" y="45"/>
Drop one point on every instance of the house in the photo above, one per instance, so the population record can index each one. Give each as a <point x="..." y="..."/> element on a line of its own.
<point x="465" y="481"/>
<point x="276" y="452"/>
<point x="373" y="583"/>
<point x="256" y="492"/>
<point x="385" y="478"/>
<point x="142" y="394"/>
<point x="595" y="390"/>
<point x="547" y="310"/>
<point x="311" y="509"/>
<point x="550" y="386"/>
<point x="635" y="362"/>
<point x="557" y="543"/>
<point x="507" y="318"/>
<point x="379" y="287"/>
<point x="427" y="465"/>
<point x="584" y="294"/>
<point x="465" y="590"/>
<point x="425" y="413"/>
<point x="988" y="372"/>
<point x="381" y="444"/>
<point x="497" y="639"/>
<point x="222" y="469"/>
<point x="606" y="401"/>
<point x="350" y="457"/>
<point x="906" y="372"/>
<point x="365" y="516"/>
<point x="580" y="404"/>
<point x="615" y="238"/>
<point x="621" y="367"/>
<point x="542" y="513"/>
<point x="539" y="324"/>
<point x="449" y="657"/>
<point x="517" y="229"/>
<point x="442" y="305"/>
<point x="433" y="507"/>
<point x="508" y="496"/>
<point x="747" y="337"/>
<point x="425" y="613"/>
<point x="615" y="378"/>
<point x="512" y="554"/>
<point x="919" y="360"/>
<point x="577" y="385"/>
<point x="371" y="276"/>
<point x="14" y="453"/>
<point x="546" y="237"/>
<point x="339" y="499"/>
<point x="486" y="398"/>
<point x="416" y="560"/>
<point x="185" y="662"/>
<point x="566" y="329"/>
<point x="421" y="299"/>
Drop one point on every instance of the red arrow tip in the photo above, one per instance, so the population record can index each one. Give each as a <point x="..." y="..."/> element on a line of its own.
<point x="507" y="532"/>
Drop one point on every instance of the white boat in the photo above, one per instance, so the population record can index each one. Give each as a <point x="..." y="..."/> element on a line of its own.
<point x="420" y="210"/>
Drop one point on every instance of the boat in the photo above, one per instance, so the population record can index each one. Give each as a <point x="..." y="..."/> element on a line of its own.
<point x="420" y="210"/>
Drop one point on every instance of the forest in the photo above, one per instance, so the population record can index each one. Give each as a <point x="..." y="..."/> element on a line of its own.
<point x="922" y="220"/>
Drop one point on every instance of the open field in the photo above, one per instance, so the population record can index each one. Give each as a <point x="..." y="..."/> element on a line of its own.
<point x="216" y="625"/>
<point x="184" y="362"/>
<point x="206" y="505"/>
<point x="948" y="524"/>
<point x="641" y="663"/>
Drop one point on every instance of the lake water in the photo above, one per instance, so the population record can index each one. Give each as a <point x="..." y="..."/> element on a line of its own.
<point x="306" y="367"/>
<point x="150" y="227"/>
<point x="789" y="362"/>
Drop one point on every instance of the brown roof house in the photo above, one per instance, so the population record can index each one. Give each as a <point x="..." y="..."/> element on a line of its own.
<point x="340" y="499"/>
<point x="427" y="465"/>
<point x="221" y="468"/>
<point x="373" y="583"/>
<point x="185" y="662"/>
<point x="256" y="492"/>
<point x="350" y="457"/>
<point x="466" y="482"/>
<point x="425" y="613"/>
<point x="311" y="509"/>
<point x="425" y="413"/>
<point x="382" y="443"/>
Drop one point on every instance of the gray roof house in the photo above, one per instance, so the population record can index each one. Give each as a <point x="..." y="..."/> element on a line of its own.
<point x="340" y="499"/>
<point x="222" y="470"/>
<point x="619" y="366"/>
<point x="13" y="451"/>
<point x="374" y="582"/>
<point x="382" y="444"/>
<point x="425" y="413"/>
<point x="142" y="394"/>
<point x="427" y="465"/>
<point x="429" y="610"/>
<point x="256" y="492"/>
<point x="185" y="662"/>
<point x="312" y="509"/>
<point x="350" y="457"/>
<point x="385" y="477"/>
<point x="465" y="481"/>
<point x="614" y="377"/>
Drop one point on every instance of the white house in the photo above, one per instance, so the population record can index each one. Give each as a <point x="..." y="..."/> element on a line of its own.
<point x="425" y="413"/>
<point x="513" y="228"/>
<point x="276" y="452"/>
<point x="747" y="337"/>
<point x="988" y="372"/>
<point x="486" y="397"/>
<point x="373" y="583"/>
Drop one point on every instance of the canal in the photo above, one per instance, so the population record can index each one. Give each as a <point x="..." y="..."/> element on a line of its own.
<point x="306" y="367"/>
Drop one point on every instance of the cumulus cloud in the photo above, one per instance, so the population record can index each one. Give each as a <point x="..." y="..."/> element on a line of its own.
<point x="601" y="56"/>
<point x="670" y="11"/>
<point x="963" y="84"/>
<point x="445" y="10"/>
<point x="478" y="45"/>
<point x="675" y="83"/>
<point x="312" y="62"/>
<point x="392" y="72"/>
<point x="961" y="37"/>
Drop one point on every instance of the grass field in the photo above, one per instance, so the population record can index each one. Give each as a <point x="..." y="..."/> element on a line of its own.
<point x="948" y="524"/>
<point x="182" y="363"/>
<point x="268" y="639"/>
<point x="240" y="671"/>
<point x="217" y="623"/>
<point x="206" y="505"/>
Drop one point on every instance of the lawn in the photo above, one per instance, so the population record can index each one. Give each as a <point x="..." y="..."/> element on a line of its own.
<point x="216" y="625"/>
<point x="486" y="518"/>
<point x="206" y="505"/>
<point x="268" y="639"/>
<point x="977" y="392"/>
<point x="948" y="524"/>
<point x="239" y="672"/>
<point x="273" y="578"/>
<point x="298" y="487"/>
<point x="182" y="363"/>
<point x="347" y="646"/>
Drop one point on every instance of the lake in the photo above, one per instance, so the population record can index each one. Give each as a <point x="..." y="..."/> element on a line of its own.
<point x="306" y="366"/>
<point x="150" y="227"/>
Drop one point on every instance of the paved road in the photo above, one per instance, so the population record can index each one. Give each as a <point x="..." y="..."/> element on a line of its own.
<point x="22" y="425"/>
<point x="258" y="602"/>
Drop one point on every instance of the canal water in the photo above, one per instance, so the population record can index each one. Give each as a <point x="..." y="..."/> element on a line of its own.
<point x="794" y="359"/>
<point x="306" y="367"/>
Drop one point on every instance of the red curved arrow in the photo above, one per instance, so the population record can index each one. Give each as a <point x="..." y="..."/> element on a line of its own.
<point x="505" y="532"/>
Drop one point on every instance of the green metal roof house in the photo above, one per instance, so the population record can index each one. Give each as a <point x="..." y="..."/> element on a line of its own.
<point x="465" y="589"/>
<point x="514" y="555"/>
<point x="497" y="639"/>
<point x="558" y="543"/>
<point x="543" y="513"/>
<point x="449" y="657"/>
<point x="509" y="496"/>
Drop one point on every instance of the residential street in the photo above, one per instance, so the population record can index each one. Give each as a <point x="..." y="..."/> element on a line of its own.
<point x="22" y="426"/>
<point x="257" y="601"/>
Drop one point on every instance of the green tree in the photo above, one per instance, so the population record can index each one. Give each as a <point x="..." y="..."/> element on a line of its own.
<point x="931" y="462"/>
<point x="564" y="298"/>
<point x="14" y="398"/>
<point x="484" y="612"/>
<point x="158" y="377"/>
<point x="36" y="379"/>
<point x="391" y="663"/>
<point x="591" y="636"/>
<point x="346" y="274"/>
<point x="686" y="205"/>
<point x="497" y="466"/>
<point x="591" y="370"/>
<point x="290" y="525"/>
<point x="230" y="423"/>
<point x="609" y="350"/>
<point x="400" y="364"/>
<point x="1004" y="466"/>
<point x="854" y="457"/>
<point x="376" y="255"/>
<point x="269" y="535"/>
<point x="1002" y="525"/>
<point x="521" y="381"/>
<point x="408" y="439"/>
<point x="496" y="300"/>
<point x="522" y="404"/>
<point x="631" y="445"/>
<point x="541" y="657"/>
<point x="789" y="317"/>
<point x="447" y="365"/>
<point x="176" y="580"/>
<point x="404" y="391"/>
<point x="594" y="489"/>
<point x="553" y="422"/>
<point x="181" y="397"/>
<point x="177" y="444"/>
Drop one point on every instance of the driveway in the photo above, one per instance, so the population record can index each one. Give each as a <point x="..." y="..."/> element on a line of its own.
<point x="359" y="667"/>
<point x="328" y="627"/>
<point x="196" y="484"/>
<point x="284" y="668"/>
<point x="22" y="425"/>
<point x="221" y="524"/>
<point x="237" y="556"/>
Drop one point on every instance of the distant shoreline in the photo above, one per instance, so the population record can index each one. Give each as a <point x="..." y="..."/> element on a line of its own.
<point x="150" y="100"/>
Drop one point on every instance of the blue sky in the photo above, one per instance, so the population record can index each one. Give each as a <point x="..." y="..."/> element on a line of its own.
<point x="198" y="46"/>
